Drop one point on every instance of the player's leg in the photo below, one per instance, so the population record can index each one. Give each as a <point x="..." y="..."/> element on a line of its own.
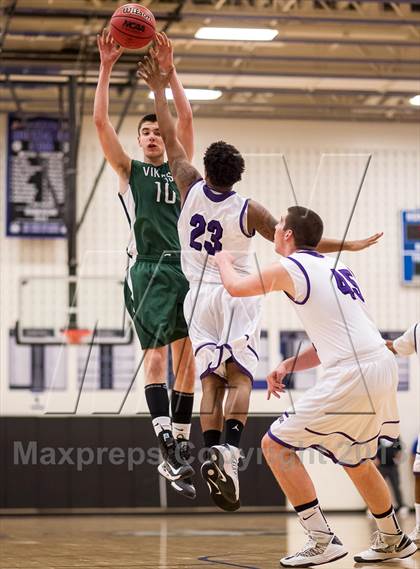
<point x="221" y="469"/>
<point x="415" y="534"/>
<point x="155" y="364"/>
<point x="183" y="391"/>
<point x="322" y="546"/>
<point x="237" y="404"/>
<point x="389" y="541"/>
<point x="155" y="303"/>
<point x="212" y="419"/>
<point x="211" y="409"/>
<point x="182" y="400"/>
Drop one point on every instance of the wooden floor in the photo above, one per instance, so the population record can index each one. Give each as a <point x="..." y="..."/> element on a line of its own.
<point x="253" y="541"/>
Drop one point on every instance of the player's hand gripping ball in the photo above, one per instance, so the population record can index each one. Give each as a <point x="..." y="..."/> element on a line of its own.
<point x="132" y="26"/>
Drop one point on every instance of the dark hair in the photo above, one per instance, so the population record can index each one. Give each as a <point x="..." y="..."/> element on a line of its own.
<point x="306" y="225"/>
<point x="224" y="164"/>
<point x="147" y="118"/>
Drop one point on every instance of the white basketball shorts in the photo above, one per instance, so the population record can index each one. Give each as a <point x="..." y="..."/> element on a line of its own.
<point x="222" y="328"/>
<point x="346" y="412"/>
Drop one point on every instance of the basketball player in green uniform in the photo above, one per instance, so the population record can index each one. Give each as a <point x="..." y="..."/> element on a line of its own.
<point x="155" y="286"/>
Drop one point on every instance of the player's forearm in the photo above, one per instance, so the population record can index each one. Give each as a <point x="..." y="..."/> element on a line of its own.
<point x="229" y="277"/>
<point x="239" y="286"/>
<point x="166" y="121"/>
<point x="184" y="126"/>
<point x="101" y="104"/>
<point x="305" y="360"/>
<point x="327" y="245"/>
<point x="181" y="102"/>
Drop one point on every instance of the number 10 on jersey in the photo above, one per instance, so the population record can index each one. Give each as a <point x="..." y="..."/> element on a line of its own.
<point x="170" y="195"/>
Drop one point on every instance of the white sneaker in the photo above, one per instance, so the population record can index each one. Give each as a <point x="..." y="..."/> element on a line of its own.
<point x="319" y="549"/>
<point x="225" y="461"/>
<point x="415" y="536"/>
<point x="387" y="546"/>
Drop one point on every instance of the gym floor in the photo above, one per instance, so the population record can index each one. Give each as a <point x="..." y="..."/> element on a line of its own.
<point x="250" y="541"/>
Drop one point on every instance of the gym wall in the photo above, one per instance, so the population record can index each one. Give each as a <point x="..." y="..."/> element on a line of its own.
<point x="326" y="164"/>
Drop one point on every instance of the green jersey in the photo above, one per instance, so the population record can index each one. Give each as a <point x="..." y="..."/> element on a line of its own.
<point x="152" y="204"/>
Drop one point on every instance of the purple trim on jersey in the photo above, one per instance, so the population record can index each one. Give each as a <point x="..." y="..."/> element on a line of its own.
<point x="354" y="441"/>
<point x="203" y="346"/>
<point x="415" y="338"/>
<point x="310" y="252"/>
<point x="188" y="191"/>
<point x="253" y="351"/>
<point x="217" y="196"/>
<point x="324" y="450"/>
<point x="241" y="221"/>
<point x="308" y="282"/>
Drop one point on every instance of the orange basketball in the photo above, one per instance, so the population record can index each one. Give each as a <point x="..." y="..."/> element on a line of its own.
<point x="133" y="26"/>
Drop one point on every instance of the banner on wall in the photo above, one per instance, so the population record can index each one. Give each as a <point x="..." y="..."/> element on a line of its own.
<point x="35" y="177"/>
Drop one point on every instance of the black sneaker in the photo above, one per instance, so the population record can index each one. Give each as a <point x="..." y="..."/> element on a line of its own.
<point x="184" y="487"/>
<point x="173" y="467"/>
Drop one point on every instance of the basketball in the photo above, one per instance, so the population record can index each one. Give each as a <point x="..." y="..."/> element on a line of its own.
<point x="133" y="26"/>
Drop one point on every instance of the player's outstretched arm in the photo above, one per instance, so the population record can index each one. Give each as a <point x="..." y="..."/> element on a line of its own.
<point x="274" y="277"/>
<point x="162" y="51"/>
<point x="111" y="146"/>
<point x="305" y="360"/>
<point x="332" y="245"/>
<point x="182" y="170"/>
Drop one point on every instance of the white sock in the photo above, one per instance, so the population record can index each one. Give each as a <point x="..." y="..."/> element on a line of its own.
<point x="312" y="518"/>
<point x="181" y="430"/>
<point x="417" y="508"/>
<point x="387" y="522"/>
<point x="161" y="424"/>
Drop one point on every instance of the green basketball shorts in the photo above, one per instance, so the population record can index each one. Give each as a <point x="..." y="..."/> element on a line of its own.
<point x="154" y="292"/>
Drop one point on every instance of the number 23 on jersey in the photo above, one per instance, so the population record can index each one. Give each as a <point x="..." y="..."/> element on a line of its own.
<point x="213" y="231"/>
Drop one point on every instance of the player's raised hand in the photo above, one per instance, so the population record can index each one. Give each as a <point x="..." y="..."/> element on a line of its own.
<point x="275" y="384"/>
<point x="361" y="244"/>
<point x="151" y="73"/>
<point x="163" y="52"/>
<point x="109" y="50"/>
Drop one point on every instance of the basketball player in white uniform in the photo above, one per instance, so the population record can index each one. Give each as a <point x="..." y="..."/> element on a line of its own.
<point x="224" y="331"/>
<point x="353" y="405"/>
<point x="406" y="345"/>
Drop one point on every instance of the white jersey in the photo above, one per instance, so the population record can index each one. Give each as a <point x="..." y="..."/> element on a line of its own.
<point x="332" y="309"/>
<point x="409" y="342"/>
<point x="209" y="222"/>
